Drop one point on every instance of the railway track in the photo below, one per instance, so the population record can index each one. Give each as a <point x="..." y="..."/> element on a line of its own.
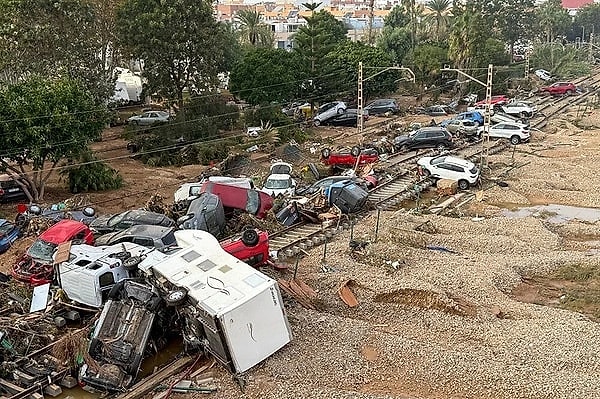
<point x="405" y="184"/>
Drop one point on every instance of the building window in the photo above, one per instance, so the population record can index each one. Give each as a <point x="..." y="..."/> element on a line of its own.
<point x="280" y="44"/>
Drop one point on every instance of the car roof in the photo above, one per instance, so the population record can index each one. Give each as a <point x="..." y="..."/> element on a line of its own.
<point x="62" y="231"/>
<point x="455" y="160"/>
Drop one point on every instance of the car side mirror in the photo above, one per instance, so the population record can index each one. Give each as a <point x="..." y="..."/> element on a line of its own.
<point x="185" y="218"/>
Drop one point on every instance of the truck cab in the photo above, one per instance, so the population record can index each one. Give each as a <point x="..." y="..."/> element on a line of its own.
<point x="91" y="272"/>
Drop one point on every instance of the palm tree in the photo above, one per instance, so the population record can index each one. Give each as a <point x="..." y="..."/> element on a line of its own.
<point x="439" y="16"/>
<point x="254" y="31"/>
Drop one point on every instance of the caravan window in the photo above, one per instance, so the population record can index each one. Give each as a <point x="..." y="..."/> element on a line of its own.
<point x="106" y="279"/>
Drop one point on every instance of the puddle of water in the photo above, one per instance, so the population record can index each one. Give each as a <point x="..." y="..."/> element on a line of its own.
<point x="555" y="213"/>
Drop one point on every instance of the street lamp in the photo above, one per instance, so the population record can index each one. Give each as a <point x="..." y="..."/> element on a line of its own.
<point x="488" y="105"/>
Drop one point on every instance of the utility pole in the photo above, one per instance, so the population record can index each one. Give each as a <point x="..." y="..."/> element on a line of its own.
<point x="488" y="105"/>
<point x="526" y="64"/>
<point x="591" y="49"/>
<point x="359" y="101"/>
<point x="359" y="98"/>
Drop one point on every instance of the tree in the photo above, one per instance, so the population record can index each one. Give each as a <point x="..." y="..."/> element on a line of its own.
<point x="267" y="74"/>
<point x="425" y="61"/>
<point x="253" y="30"/>
<point x="414" y="13"/>
<point x="513" y="19"/>
<point x="588" y="17"/>
<point x="179" y="41"/>
<point x="342" y="65"/>
<point x="43" y="122"/>
<point x="552" y="19"/>
<point x="395" y="37"/>
<point x="439" y="17"/>
<point x="321" y="34"/>
<point x="54" y="38"/>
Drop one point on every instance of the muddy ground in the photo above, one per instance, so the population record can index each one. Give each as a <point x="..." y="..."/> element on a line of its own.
<point x="505" y="306"/>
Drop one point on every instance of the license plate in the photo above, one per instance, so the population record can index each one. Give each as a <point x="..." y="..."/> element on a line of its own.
<point x="13" y="190"/>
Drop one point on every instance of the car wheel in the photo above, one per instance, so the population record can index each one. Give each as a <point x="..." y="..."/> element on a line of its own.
<point x="317" y="122"/>
<point x="524" y="115"/>
<point x="121" y="255"/>
<point x="426" y="172"/>
<point x="131" y="263"/>
<point x="569" y="92"/>
<point x="441" y="147"/>
<point x="355" y="151"/>
<point x="514" y="140"/>
<point x="404" y="148"/>
<point x="340" y="111"/>
<point x="250" y="237"/>
<point x="325" y="153"/>
<point x="463" y="185"/>
<point x="175" y="297"/>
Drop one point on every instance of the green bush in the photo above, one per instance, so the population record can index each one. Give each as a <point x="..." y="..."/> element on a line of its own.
<point x="91" y="175"/>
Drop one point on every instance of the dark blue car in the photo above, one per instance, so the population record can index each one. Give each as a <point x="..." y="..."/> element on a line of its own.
<point x="8" y="234"/>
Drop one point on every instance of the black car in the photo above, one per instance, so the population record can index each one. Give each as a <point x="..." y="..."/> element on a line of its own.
<point x="10" y="190"/>
<point x="383" y="106"/>
<point x="434" y="110"/>
<point x="348" y="118"/>
<point x="121" y="221"/>
<point x="426" y="137"/>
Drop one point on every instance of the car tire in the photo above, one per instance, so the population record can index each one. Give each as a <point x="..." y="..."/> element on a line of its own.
<point x="568" y="92"/>
<point x="317" y="122"/>
<point x="425" y="172"/>
<point x="131" y="263"/>
<point x="355" y="151"/>
<point x="340" y="111"/>
<point x="463" y="185"/>
<point x="441" y="147"/>
<point x="89" y="211"/>
<point x="250" y="237"/>
<point x="325" y="153"/>
<point x="404" y="148"/>
<point x="115" y="291"/>
<point x="514" y="140"/>
<point x="175" y="297"/>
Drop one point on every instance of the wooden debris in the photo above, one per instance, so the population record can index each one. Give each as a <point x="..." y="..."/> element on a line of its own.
<point x="148" y="384"/>
<point x="347" y="295"/>
<point x="300" y="291"/>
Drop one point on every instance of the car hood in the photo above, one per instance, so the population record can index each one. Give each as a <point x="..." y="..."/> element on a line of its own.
<point x="400" y="139"/>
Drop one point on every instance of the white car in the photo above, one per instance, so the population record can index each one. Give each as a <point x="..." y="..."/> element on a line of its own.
<point x="448" y="167"/>
<point x="519" y="108"/>
<point x="280" y="181"/>
<point x="543" y="74"/>
<point x="150" y="118"/>
<point x="513" y="131"/>
<point x="254" y="131"/>
<point x="328" y="111"/>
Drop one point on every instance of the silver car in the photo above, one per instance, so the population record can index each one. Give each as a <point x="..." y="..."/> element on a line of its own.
<point x="149" y="118"/>
<point x="328" y="111"/>
<point x="158" y="237"/>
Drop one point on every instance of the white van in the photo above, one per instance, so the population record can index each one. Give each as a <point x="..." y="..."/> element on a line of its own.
<point x="232" y="310"/>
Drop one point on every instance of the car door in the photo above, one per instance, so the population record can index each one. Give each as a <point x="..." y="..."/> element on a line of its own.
<point x="498" y="131"/>
<point x="450" y="171"/>
<point x="418" y="140"/>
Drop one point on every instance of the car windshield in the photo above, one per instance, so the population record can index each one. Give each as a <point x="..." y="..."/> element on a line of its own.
<point x="5" y="229"/>
<point x="277" y="183"/>
<point x="42" y="250"/>
<point x="438" y="160"/>
<point x="113" y="221"/>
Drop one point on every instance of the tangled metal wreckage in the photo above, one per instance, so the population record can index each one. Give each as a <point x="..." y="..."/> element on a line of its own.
<point x="215" y="303"/>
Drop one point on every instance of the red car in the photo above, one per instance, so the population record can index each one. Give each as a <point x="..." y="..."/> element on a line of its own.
<point x="36" y="266"/>
<point x="348" y="159"/>
<point x="499" y="99"/>
<point x="559" y="88"/>
<point x="249" y="200"/>
<point x="252" y="246"/>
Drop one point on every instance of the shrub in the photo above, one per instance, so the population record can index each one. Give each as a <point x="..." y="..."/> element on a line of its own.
<point x="91" y="175"/>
